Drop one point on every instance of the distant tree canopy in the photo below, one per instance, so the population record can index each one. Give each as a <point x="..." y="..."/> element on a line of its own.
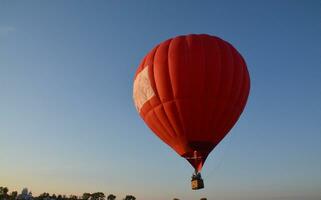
<point x="4" y="192"/>
<point x="27" y="195"/>
<point x="73" y="197"/>
<point x="97" y="196"/>
<point x="86" y="196"/>
<point x="129" y="197"/>
<point x="13" y="195"/>
<point x="111" y="197"/>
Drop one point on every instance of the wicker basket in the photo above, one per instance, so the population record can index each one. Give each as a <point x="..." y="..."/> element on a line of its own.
<point x="197" y="184"/>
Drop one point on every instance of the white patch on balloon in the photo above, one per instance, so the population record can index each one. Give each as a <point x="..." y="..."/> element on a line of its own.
<point x="143" y="90"/>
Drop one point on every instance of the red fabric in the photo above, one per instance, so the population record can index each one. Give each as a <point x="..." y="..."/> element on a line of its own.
<point x="201" y="86"/>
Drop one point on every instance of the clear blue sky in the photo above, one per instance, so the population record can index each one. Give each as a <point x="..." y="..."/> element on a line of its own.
<point x="68" y="123"/>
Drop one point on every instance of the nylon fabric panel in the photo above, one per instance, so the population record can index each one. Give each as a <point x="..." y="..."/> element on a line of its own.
<point x="241" y="103"/>
<point x="214" y="68"/>
<point x="195" y="61"/>
<point x="211" y="57"/>
<point x="164" y="86"/>
<point x="235" y="95"/>
<point x="161" y="73"/>
<point x="234" y="81"/>
<point x="173" y="115"/>
<point x="153" y="122"/>
<point x="185" y="83"/>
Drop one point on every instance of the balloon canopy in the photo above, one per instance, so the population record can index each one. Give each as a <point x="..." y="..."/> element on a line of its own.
<point x="190" y="90"/>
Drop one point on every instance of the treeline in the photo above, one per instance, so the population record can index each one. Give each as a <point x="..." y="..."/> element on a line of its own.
<point x="27" y="195"/>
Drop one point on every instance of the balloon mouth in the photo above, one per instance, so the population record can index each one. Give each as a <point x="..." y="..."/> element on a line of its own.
<point x="198" y="153"/>
<point x="197" y="160"/>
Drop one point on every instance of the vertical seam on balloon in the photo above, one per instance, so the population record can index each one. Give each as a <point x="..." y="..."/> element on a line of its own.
<point x="242" y="98"/>
<point x="149" y="102"/>
<point x="232" y="112"/>
<point x="172" y="90"/>
<point x="185" y="64"/>
<point x="213" y="43"/>
<point x="198" y="102"/>
<point x="219" y="71"/>
<point x="168" y="132"/>
<point x="204" y="80"/>
<point x="156" y="93"/>
<point x="182" y="137"/>
<point x="152" y="67"/>
<point x="174" y="134"/>
<point x="227" y="103"/>
<point x="206" y="85"/>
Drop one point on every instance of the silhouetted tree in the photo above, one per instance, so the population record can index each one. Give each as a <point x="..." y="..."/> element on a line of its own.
<point x="1" y="192"/>
<point x="129" y="197"/>
<point x="111" y="197"/>
<point x="73" y="197"/>
<point x="97" y="196"/>
<point x="44" y="196"/>
<point x="4" y="193"/>
<point x="86" y="196"/>
<point x="13" y="195"/>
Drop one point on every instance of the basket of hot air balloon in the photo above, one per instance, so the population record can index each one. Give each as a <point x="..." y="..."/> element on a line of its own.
<point x="197" y="181"/>
<point x="190" y="90"/>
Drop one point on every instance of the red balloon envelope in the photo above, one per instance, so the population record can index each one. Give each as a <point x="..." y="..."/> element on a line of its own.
<point x="190" y="90"/>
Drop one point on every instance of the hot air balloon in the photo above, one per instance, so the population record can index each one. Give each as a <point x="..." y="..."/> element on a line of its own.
<point x="190" y="90"/>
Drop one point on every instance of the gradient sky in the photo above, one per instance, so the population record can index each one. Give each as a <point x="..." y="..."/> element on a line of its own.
<point x="68" y="123"/>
